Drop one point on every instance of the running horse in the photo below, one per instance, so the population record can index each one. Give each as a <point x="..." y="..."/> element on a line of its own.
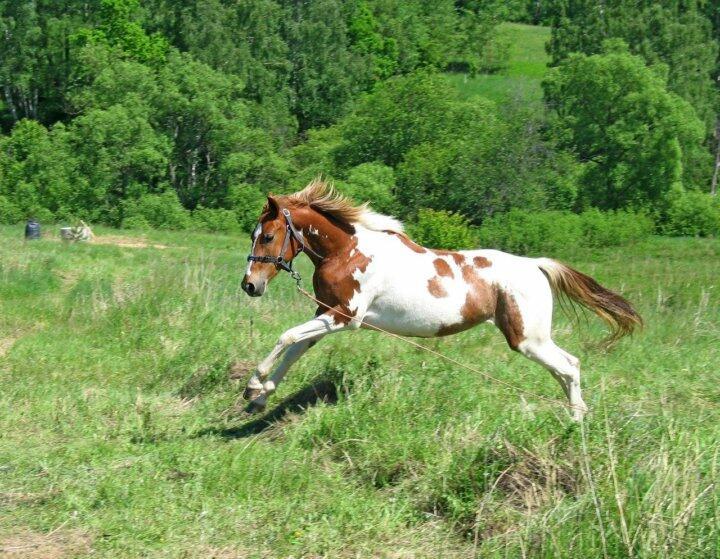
<point x="368" y="272"/>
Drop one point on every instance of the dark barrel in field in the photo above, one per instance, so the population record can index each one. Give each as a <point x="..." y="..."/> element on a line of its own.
<point x="32" y="230"/>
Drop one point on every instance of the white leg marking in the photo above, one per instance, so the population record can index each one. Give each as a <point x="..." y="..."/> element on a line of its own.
<point x="310" y="330"/>
<point x="563" y="366"/>
<point x="291" y="355"/>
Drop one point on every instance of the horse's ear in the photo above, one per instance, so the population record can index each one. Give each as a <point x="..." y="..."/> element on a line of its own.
<point x="273" y="208"/>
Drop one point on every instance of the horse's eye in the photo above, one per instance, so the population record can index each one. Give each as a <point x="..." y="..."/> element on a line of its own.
<point x="267" y="238"/>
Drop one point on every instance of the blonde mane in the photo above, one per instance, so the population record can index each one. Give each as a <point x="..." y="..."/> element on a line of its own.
<point x="322" y="196"/>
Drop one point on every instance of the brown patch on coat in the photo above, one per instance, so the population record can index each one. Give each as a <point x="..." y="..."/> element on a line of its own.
<point x="456" y="256"/>
<point x="436" y="288"/>
<point x="407" y="241"/>
<point x="481" y="262"/>
<point x="480" y="303"/>
<point x="509" y="320"/>
<point x="334" y="283"/>
<point x="442" y="268"/>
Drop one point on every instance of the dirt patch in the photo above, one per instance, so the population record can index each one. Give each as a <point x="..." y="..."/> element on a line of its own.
<point x="130" y="242"/>
<point x="240" y="370"/>
<point x="57" y="544"/>
<point x="117" y="240"/>
<point x="5" y="345"/>
<point x="19" y="498"/>
<point x="531" y="481"/>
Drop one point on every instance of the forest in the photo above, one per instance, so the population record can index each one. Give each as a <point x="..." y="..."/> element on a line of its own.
<point x="182" y="114"/>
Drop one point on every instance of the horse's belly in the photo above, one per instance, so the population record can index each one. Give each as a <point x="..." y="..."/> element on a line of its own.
<point x="414" y="316"/>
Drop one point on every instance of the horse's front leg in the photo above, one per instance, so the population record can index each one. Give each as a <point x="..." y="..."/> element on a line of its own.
<point x="261" y="391"/>
<point x="298" y="339"/>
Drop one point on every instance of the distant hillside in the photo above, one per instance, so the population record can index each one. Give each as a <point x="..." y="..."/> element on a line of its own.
<point x="526" y="67"/>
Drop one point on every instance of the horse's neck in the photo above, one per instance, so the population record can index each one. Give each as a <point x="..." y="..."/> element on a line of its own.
<point x="323" y="235"/>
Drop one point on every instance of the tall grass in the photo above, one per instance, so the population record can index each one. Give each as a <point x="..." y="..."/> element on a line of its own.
<point x="121" y="426"/>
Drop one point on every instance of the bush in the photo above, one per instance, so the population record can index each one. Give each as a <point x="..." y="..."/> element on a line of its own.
<point x="41" y="214"/>
<point x="215" y="220"/>
<point x="137" y="222"/>
<point x="163" y="211"/>
<point x="247" y="202"/>
<point x="371" y="182"/>
<point x="602" y="229"/>
<point x="525" y="232"/>
<point x="9" y="212"/>
<point x="693" y="214"/>
<point x="440" y="229"/>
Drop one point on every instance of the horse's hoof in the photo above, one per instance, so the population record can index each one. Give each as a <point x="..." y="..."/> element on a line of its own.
<point x="255" y="407"/>
<point x="252" y="393"/>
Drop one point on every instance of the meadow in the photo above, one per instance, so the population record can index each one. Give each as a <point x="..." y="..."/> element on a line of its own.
<point x="521" y="81"/>
<point x="122" y="432"/>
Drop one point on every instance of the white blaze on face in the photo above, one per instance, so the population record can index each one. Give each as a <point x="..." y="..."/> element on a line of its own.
<point x="255" y="235"/>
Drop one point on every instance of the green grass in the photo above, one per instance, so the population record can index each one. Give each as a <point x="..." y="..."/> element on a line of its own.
<point x="521" y="80"/>
<point x="120" y="435"/>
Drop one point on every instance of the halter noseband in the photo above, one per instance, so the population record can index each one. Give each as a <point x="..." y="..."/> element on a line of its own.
<point x="279" y="260"/>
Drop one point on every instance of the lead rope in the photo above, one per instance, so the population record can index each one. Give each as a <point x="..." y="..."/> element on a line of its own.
<point x="487" y="376"/>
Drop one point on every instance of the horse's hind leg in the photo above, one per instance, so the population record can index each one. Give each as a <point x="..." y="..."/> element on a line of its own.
<point x="563" y="366"/>
<point x="527" y="330"/>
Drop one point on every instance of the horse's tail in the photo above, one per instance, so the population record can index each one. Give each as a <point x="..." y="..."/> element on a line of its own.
<point x="615" y="310"/>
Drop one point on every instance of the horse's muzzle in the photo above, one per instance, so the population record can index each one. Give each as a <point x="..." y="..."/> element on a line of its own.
<point x="254" y="289"/>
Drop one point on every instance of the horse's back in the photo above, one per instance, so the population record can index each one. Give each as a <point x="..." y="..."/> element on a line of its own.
<point x="435" y="292"/>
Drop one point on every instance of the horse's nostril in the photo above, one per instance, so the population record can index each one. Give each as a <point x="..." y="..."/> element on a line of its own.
<point x="250" y="288"/>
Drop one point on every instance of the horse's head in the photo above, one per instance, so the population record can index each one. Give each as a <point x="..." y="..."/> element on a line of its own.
<point x="273" y="247"/>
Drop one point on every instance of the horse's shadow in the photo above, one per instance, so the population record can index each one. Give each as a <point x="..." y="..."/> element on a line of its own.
<point x="321" y="390"/>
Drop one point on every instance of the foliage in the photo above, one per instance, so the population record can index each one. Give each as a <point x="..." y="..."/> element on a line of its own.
<point x="215" y="220"/>
<point x="107" y="103"/>
<point x="636" y="140"/>
<point x="162" y="211"/>
<point x="523" y="232"/>
<point x="693" y="214"/>
<point x="618" y="228"/>
<point x="374" y="183"/>
<point x="402" y="113"/>
<point x="247" y="202"/>
<point x="9" y="211"/>
<point x="677" y="34"/>
<point x="440" y="229"/>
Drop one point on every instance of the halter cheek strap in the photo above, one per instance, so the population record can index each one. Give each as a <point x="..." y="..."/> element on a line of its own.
<point x="290" y="233"/>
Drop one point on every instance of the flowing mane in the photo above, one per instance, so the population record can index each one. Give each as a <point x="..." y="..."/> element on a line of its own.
<point x="322" y="196"/>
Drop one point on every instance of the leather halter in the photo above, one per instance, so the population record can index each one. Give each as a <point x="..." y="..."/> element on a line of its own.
<point x="290" y="233"/>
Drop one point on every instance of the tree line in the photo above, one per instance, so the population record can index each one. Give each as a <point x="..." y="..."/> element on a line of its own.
<point x="185" y="113"/>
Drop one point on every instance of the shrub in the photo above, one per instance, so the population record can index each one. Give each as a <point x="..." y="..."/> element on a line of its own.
<point x="693" y="214"/>
<point x="163" y="211"/>
<point x="215" y="220"/>
<point x="9" y="212"/>
<point x="525" y="232"/>
<point x="440" y="229"/>
<point x="137" y="222"/>
<point x="602" y="229"/>
<point x="43" y="215"/>
<point x="371" y="182"/>
<point x="247" y="202"/>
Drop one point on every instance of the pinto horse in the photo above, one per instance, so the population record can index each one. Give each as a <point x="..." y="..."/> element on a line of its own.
<point x="369" y="273"/>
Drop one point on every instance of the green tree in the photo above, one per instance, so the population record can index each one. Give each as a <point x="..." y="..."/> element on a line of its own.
<point x="636" y="140"/>
<point x="118" y="26"/>
<point x="121" y="156"/>
<point x="39" y="172"/>
<point x="675" y="33"/>
<point x="403" y="112"/>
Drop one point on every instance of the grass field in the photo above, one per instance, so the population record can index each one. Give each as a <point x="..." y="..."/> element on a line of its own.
<point x="521" y="80"/>
<point x="121" y="435"/>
